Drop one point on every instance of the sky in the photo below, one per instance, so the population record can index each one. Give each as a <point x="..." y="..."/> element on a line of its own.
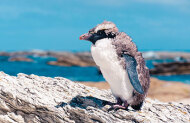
<point x="57" y="24"/>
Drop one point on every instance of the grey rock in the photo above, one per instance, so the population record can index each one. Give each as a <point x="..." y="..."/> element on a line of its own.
<point x="72" y="59"/>
<point x="166" y="55"/>
<point x="171" y="68"/>
<point x="19" y="58"/>
<point x="34" y="99"/>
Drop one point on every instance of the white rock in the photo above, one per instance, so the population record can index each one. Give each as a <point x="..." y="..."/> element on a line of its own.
<point x="30" y="98"/>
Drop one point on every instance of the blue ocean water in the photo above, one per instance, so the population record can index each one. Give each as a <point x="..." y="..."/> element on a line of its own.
<point x="41" y="68"/>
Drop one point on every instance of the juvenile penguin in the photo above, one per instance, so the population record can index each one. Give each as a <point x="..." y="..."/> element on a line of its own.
<point x="122" y="66"/>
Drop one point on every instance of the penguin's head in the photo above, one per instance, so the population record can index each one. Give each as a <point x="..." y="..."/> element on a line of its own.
<point x="106" y="29"/>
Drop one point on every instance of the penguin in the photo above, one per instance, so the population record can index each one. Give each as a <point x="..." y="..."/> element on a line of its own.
<point x="121" y="64"/>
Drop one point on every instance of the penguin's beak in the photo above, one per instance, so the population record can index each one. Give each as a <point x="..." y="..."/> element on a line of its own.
<point x="85" y="36"/>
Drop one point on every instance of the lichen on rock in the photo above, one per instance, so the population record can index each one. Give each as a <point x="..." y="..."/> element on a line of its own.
<point x="31" y="98"/>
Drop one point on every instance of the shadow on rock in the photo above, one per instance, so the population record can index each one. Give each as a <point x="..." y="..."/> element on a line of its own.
<point x="84" y="102"/>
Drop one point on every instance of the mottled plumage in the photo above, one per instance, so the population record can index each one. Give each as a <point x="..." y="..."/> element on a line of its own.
<point x="120" y="63"/>
<point x="124" y="45"/>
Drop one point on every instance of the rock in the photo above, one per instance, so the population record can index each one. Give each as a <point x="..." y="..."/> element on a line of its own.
<point x="184" y="101"/>
<point x="168" y="90"/>
<point x="30" y="98"/>
<point x="20" y="58"/>
<point x="151" y="55"/>
<point x="4" y="54"/>
<point x="172" y="68"/>
<point x="73" y="59"/>
<point x="25" y="53"/>
<point x="173" y="55"/>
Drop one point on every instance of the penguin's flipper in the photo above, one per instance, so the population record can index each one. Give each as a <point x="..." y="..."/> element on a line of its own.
<point x="131" y="65"/>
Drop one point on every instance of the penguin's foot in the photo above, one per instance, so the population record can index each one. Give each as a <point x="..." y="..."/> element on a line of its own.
<point x="119" y="106"/>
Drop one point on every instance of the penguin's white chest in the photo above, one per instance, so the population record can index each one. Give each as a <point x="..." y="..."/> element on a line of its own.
<point x="104" y="54"/>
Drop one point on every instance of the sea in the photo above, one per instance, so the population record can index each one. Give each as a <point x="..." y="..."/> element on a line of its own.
<point x="40" y="67"/>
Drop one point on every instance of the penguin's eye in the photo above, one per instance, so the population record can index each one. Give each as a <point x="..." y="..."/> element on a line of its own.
<point x="100" y="32"/>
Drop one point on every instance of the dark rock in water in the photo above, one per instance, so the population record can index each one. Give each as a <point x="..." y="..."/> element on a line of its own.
<point x="20" y="58"/>
<point x="172" y="68"/>
<point x="4" y="54"/>
<point x="30" y="98"/>
<point x="73" y="59"/>
<point x="25" y="53"/>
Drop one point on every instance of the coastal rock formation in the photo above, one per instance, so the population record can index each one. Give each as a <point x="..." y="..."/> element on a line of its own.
<point x="20" y="58"/>
<point x="151" y="55"/>
<point x="172" y="68"/>
<point x="73" y="59"/>
<point x="30" y="98"/>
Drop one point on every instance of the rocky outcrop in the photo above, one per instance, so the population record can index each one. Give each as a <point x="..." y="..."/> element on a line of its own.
<point x="19" y="58"/>
<point x="73" y="59"/>
<point x="25" y="53"/>
<point x="151" y="55"/>
<point x="30" y="98"/>
<point x="172" y="68"/>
